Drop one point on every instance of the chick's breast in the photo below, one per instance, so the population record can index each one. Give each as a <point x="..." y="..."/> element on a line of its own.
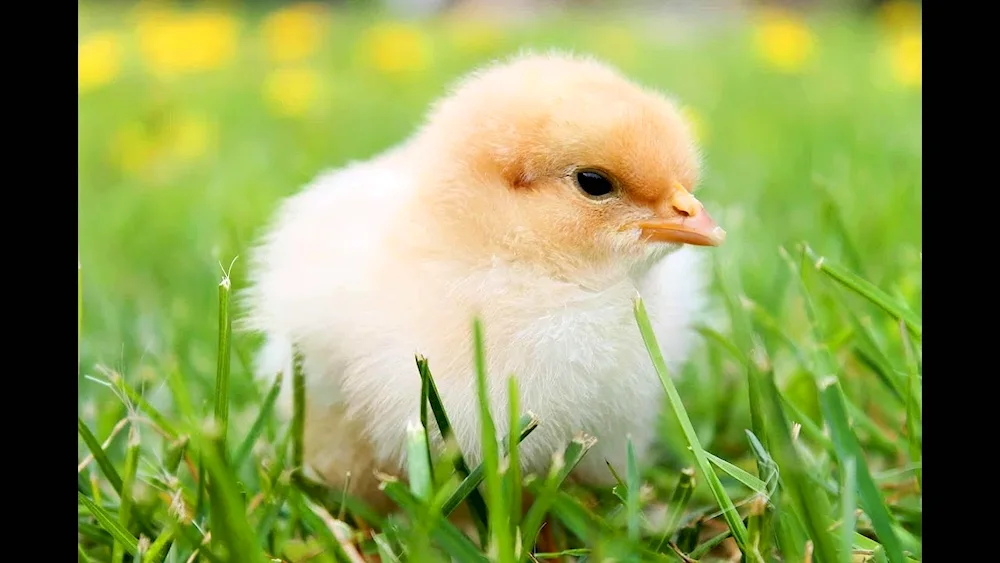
<point x="347" y="275"/>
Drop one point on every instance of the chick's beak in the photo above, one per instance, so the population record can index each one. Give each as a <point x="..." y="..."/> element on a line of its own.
<point x="684" y="221"/>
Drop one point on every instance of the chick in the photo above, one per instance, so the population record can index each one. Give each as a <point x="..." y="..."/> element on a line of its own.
<point x="542" y="195"/>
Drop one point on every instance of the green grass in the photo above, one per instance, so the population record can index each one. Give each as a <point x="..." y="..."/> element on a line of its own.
<point x="795" y="430"/>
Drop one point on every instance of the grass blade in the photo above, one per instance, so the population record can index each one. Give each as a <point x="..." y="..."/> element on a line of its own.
<point x="246" y="446"/>
<point x="499" y="522"/>
<point x="632" y="480"/>
<point x="703" y="549"/>
<point x="298" y="412"/>
<point x="159" y="548"/>
<point x="418" y="463"/>
<point x="809" y="505"/>
<point x="771" y="325"/>
<point x="424" y="400"/>
<point x="867" y="290"/>
<point x="757" y="424"/>
<point x="725" y="503"/>
<point x="731" y="292"/>
<point x="128" y="482"/>
<point x="759" y="521"/>
<point x="864" y="542"/>
<point x="677" y="503"/>
<point x="847" y="447"/>
<point x="809" y="428"/>
<point x="578" y="518"/>
<point x="620" y="490"/>
<point x="834" y="218"/>
<point x="563" y="464"/>
<point x="767" y="468"/>
<point x="115" y="430"/>
<point x="175" y="454"/>
<point x="106" y="521"/>
<point x="179" y="392"/>
<point x="759" y="524"/>
<point x="576" y="552"/>
<point x="447" y="536"/>
<point x="526" y="426"/>
<point x="141" y="404"/>
<point x="231" y="532"/>
<point x="761" y="518"/>
<point x="92" y="532"/>
<point x="723" y="343"/>
<point x="847" y="508"/>
<point x="385" y="551"/>
<point x="332" y="533"/>
<point x="222" y="364"/>
<point x="475" y="499"/>
<point x="513" y="475"/>
<point x="833" y="405"/>
<point x="279" y="492"/>
<point x="752" y="483"/>
<point x="191" y="537"/>
<point x="871" y="353"/>
<point x="877" y="438"/>
<point x="914" y="409"/>
<point x="100" y="456"/>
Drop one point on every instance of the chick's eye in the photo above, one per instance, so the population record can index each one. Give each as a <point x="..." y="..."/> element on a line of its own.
<point x="593" y="183"/>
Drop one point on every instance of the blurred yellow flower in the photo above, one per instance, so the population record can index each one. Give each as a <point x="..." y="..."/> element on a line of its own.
<point x="98" y="60"/>
<point x="906" y="58"/>
<point x="132" y="148"/>
<point x="179" y="42"/>
<point x="294" y="32"/>
<point x="784" y="41"/>
<point x="291" y="92"/>
<point x="140" y="149"/>
<point x="897" y="15"/>
<point x="189" y="137"/>
<point x="696" y="123"/>
<point x="395" y="47"/>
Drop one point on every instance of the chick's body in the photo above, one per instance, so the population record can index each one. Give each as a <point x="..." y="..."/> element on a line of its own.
<point x="481" y="213"/>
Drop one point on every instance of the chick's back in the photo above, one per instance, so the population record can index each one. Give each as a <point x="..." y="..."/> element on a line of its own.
<point x="313" y="274"/>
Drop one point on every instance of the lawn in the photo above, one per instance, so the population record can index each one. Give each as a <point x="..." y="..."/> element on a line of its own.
<point x="194" y="124"/>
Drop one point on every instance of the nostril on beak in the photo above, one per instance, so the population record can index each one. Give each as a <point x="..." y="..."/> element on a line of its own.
<point x="682" y="211"/>
<point x="683" y="203"/>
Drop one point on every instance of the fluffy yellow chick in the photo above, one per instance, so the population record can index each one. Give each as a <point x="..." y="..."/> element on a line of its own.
<point x="542" y="194"/>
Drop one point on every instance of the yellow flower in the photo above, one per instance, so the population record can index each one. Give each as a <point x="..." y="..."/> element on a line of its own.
<point x="696" y="123"/>
<point x="906" y="58"/>
<point x="139" y="148"/>
<point x="132" y="148"/>
<point x="180" y="42"/>
<point x="98" y="61"/>
<point x="784" y="41"/>
<point x="394" y="47"/>
<point x="291" y="92"/>
<point x="293" y="33"/>
<point x="188" y="137"/>
<point x="897" y="15"/>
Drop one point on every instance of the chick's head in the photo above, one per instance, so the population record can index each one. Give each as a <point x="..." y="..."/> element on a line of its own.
<point x="561" y="162"/>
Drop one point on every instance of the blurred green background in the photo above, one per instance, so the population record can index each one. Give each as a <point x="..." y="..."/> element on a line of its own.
<point x="195" y="119"/>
